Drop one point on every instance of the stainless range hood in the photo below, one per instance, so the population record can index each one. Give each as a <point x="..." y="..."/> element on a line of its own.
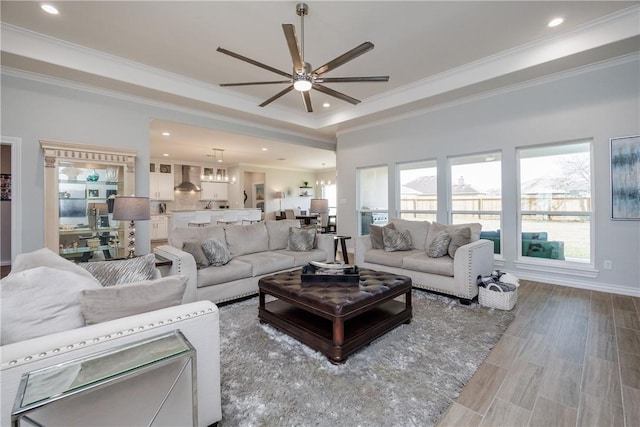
<point x="190" y="175"/>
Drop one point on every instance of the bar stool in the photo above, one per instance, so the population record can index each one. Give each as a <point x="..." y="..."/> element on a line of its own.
<point x="254" y="216"/>
<point x="229" y="217"/>
<point x="202" y="219"/>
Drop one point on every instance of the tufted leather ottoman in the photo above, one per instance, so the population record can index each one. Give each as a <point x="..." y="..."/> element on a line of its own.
<point x="335" y="320"/>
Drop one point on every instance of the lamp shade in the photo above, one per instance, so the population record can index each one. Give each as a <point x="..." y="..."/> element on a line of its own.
<point x="319" y="206"/>
<point x="131" y="208"/>
<point x="279" y="194"/>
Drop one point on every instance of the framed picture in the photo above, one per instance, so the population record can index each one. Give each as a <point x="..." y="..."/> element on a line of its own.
<point x="93" y="193"/>
<point x="625" y="178"/>
<point x="5" y="187"/>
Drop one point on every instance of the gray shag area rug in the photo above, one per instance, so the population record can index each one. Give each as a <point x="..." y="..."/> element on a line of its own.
<point x="408" y="377"/>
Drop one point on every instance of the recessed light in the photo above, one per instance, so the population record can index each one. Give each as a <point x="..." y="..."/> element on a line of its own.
<point x="265" y="149"/>
<point x="555" y="22"/>
<point x="165" y="154"/>
<point x="166" y="134"/>
<point x="281" y="158"/>
<point x="326" y="105"/>
<point x="49" y="9"/>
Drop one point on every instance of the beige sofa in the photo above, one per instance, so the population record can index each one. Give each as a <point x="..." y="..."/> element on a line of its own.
<point x="453" y="276"/>
<point x="257" y="250"/>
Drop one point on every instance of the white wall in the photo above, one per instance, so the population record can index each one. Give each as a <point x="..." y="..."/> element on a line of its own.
<point x="34" y="110"/>
<point x="598" y="104"/>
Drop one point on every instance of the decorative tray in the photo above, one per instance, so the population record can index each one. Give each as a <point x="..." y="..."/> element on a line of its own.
<point x="345" y="275"/>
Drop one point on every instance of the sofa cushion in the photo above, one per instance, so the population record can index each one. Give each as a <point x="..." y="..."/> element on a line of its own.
<point x="117" y="272"/>
<point x="45" y="257"/>
<point x="179" y="235"/>
<point x="420" y="261"/>
<point x="216" y="251"/>
<point x="194" y="247"/>
<point x="436" y="227"/>
<point x="375" y="233"/>
<point x="234" y="270"/>
<point x="41" y="301"/>
<point x="459" y="238"/>
<point x="391" y="259"/>
<point x="115" y="302"/>
<point x="267" y="262"/>
<point x="303" y="258"/>
<point x="439" y="246"/>
<point x="417" y="229"/>
<point x="396" y="240"/>
<point x="279" y="232"/>
<point x="301" y="239"/>
<point x="246" y="239"/>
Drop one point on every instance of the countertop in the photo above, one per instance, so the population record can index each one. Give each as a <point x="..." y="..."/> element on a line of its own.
<point x="205" y="210"/>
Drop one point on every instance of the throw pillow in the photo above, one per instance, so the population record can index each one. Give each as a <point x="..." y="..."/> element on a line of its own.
<point x="45" y="257"/>
<point x="301" y="239"/>
<point x="459" y="238"/>
<point x="396" y="240"/>
<point x="194" y="247"/>
<point x="41" y="301"/>
<point x="375" y="232"/>
<point x="118" y="272"/>
<point x="439" y="246"/>
<point x="216" y="252"/>
<point x="115" y="302"/>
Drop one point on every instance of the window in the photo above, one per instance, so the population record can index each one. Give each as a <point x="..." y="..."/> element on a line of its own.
<point x="476" y="193"/>
<point x="329" y="192"/>
<point x="373" y="197"/>
<point x="555" y="201"/>
<point x="418" y="190"/>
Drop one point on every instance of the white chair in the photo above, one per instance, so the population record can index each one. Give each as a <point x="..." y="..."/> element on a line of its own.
<point x="202" y="219"/>
<point x="229" y="217"/>
<point x="254" y="216"/>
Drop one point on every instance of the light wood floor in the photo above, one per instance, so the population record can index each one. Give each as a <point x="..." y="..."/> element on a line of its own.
<point x="571" y="357"/>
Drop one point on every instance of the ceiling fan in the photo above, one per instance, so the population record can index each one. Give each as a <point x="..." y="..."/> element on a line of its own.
<point x="304" y="77"/>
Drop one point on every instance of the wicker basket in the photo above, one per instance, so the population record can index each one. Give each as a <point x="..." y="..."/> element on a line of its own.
<point x="494" y="297"/>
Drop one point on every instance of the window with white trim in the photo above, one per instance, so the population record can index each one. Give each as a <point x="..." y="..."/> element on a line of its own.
<point x="418" y="190"/>
<point x="373" y="197"/>
<point x="476" y="193"/>
<point x="555" y="201"/>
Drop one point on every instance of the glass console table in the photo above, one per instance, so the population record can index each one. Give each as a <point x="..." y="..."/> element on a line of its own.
<point x="45" y="387"/>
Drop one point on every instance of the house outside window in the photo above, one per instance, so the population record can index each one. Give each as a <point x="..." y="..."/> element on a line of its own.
<point x="476" y="193"/>
<point x="373" y="197"/>
<point x="418" y="190"/>
<point x="555" y="202"/>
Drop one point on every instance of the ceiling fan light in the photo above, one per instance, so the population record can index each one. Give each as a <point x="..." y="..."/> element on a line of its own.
<point x="302" y="85"/>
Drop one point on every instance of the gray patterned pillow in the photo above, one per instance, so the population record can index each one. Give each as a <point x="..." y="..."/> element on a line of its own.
<point x="301" y="239"/>
<point x="375" y="233"/>
<point x="118" y="272"/>
<point x="439" y="246"/>
<point x="194" y="247"/>
<point x="396" y="240"/>
<point x="216" y="252"/>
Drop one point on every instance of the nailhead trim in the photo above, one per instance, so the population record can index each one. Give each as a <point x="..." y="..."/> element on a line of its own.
<point x="96" y="340"/>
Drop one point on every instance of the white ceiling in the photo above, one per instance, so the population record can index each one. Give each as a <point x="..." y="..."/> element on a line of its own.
<point x="434" y="52"/>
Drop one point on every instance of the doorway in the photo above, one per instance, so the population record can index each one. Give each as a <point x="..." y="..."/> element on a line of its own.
<point x="254" y="190"/>
<point x="10" y="202"/>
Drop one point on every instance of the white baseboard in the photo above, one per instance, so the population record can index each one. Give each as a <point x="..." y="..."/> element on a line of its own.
<point x="4" y="263"/>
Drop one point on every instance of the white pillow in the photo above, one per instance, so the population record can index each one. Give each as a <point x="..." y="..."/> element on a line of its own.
<point x="45" y="257"/>
<point x="41" y="301"/>
<point x="115" y="302"/>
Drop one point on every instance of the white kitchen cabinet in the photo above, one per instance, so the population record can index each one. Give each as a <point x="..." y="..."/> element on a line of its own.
<point x="159" y="227"/>
<point x="214" y="191"/>
<point x="161" y="186"/>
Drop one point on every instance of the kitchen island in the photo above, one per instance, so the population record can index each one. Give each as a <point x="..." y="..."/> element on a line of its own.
<point x="181" y="218"/>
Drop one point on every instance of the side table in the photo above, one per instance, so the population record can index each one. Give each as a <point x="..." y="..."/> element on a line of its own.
<point x="343" y="247"/>
<point x="44" y="387"/>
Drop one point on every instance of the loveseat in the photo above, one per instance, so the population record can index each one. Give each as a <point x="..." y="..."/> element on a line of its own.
<point x="53" y="312"/>
<point x="255" y="251"/>
<point x="454" y="271"/>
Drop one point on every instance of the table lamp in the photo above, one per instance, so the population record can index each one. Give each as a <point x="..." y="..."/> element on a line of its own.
<point x="280" y="195"/>
<point x="131" y="209"/>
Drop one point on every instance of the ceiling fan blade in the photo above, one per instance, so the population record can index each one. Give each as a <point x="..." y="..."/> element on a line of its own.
<point x="252" y="62"/>
<point x="292" y="43"/>
<point x="255" y="83"/>
<point x="345" y="57"/>
<point x="306" y="98"/>
<point x="276" y="96"/>
<point x="351" y="79"/>
<point x="336" y="94"/>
